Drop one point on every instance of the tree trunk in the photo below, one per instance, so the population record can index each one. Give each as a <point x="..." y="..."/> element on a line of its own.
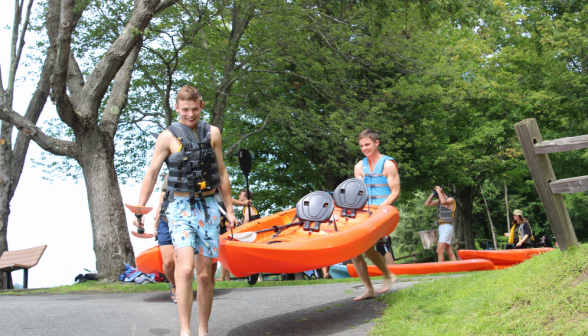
<point x="112" y="244"/>
<point x="4" y="213"/>
<point x="463" y="214"/>
<point x="507" y="211"/>
<point x="489" y="219"/>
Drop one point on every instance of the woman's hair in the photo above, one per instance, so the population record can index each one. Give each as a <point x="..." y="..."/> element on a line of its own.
<point x="522" y="219"/>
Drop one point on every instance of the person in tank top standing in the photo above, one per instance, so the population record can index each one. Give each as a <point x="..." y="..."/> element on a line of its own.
<point x="190" y="205"/>
<point x="380" y="173"/>
<point x="445" y="213"/>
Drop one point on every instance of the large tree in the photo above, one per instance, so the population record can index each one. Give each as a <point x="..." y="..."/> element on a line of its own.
<point x="78" y="100"/>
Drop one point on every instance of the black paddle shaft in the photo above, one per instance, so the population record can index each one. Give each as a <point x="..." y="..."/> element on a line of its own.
<point x="245" y="163"/>
<point x="140" y="230"/>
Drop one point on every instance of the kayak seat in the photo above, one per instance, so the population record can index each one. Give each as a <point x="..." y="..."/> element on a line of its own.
<point x="315" y="208"/>
<point x="351" y="196"/>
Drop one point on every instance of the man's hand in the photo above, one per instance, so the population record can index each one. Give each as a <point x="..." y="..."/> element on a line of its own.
<point x="519" y="244"/>
<point x="231" y="221"/>
<point x="136" y="223"/>
<point x="438" y="189"/>
<point x="247" y="202"/>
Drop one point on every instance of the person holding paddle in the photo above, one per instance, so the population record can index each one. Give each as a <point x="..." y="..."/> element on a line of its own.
<point x="192" y="151"/>
<point x="380" y="174"/>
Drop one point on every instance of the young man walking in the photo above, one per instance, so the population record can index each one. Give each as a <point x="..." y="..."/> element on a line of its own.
<point x="380" y="173"/>
<point x="192" y="151"/>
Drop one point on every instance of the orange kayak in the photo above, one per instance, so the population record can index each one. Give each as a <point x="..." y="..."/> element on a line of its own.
<point x="295" y="250"/>
<point x="429" y="268"/>
<point x="149" y="261"/>
<point x="502" y="257"/>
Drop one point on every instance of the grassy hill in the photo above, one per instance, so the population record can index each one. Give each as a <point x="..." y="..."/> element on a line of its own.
<point x="546" y="295"/>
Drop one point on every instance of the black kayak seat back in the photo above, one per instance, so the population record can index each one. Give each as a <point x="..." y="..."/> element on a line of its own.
<point x="351" y="196"/>
<point x="316" y="207"/>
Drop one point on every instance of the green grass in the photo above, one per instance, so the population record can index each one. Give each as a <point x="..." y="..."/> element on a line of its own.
<point x="545" y="295"/>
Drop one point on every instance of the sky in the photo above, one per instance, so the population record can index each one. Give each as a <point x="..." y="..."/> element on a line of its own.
<point x="53" y="213"/>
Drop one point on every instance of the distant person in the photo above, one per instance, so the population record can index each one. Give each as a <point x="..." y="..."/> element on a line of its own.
<point x="380" y="174"/>
<point x="245" y="201"/>
<point x="384" y="247"/>
<point x="546" y="241"/>
<point x="520" y="234"/>
<point x="445" y="212"/>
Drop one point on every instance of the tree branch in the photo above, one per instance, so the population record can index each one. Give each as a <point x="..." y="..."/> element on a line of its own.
<point x="120" y="93"/>
<point x="50" y="144"/>
<point x="59" y="79"/>
<point x="99" y="80"/>
<point x="245" y="136"/>
<point x="36" y="105"/>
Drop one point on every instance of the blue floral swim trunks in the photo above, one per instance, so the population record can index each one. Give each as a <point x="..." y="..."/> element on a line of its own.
<point x="190" y="228"/>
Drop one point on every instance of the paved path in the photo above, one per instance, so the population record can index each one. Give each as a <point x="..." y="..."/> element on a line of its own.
<point x="298" y="310"/>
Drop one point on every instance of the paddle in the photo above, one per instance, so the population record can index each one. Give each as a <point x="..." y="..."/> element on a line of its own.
<point x="139" y="211"/>
<point x="245" y="163"/>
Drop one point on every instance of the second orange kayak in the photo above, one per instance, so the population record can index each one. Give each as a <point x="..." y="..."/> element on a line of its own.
<point x="429" y="268"/>
<point x="502" y="257"/>
<point x="150" y="262"/>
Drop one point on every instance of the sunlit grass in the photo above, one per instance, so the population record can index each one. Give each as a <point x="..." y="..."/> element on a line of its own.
<point x="542" y="296"/>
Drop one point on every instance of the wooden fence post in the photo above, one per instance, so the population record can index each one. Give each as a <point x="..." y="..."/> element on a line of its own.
<point x="542" y="173"/>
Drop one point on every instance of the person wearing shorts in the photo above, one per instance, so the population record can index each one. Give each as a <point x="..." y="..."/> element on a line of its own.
<point x="445" y="212"/>
<point x="384" y="247"/>
<point x="192" y="150"/>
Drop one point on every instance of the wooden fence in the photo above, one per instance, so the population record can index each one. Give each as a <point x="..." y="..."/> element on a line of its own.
<point x="536" y="153"/>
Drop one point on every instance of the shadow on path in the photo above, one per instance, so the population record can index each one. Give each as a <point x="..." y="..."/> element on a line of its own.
<point x="164" y="296"/>
<point x="326" y="319"/>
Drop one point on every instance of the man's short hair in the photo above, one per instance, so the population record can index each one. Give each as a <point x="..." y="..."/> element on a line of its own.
<point x="188" y="93"/>
<point x="368" y="133"/>
<point x="244" y="190"/>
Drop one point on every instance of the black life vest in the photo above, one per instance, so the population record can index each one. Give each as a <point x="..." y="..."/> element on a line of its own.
<point x="194" y="168"/>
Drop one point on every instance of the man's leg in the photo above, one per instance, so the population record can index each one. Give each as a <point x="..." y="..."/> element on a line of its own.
<point x="388" y="258"/>
<point x="440" y="249"/>
<point x="204" y="296"/>
<point x="225" y="274"/>
<point x="212" y="272"/>
<point x="361" y="268"/>
<point x="185" y="269"/>
<point x="450" y="253"/>
<point x="169" y="264"/>
<point x="379" y="261"/>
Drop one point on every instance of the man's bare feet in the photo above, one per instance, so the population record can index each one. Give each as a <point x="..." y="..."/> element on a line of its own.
<point x="202" y="332"/>
<point x="387" y="284"/>
<point x="369" y="294"/>
<point x="185" y="333"/>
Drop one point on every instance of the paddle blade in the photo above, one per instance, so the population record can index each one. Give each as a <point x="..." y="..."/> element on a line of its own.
<point x="245" y="237"/>
<point x="139" y="209"/>
<point x="245" y="161"/>
<point x="142" y="235"/>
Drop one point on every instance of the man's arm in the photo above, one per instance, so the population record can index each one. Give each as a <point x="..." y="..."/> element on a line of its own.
<point x="391" y="174"/>
<point x="430" y="202"/>
<point x="160" y="153"/>
<point x="225" y="183"/>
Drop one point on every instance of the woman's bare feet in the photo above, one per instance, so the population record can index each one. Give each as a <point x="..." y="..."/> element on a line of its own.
<point x="369" y="294"/>
<point x="387" y="284"/>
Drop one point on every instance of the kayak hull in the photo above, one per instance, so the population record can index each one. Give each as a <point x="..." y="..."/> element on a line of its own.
<point x="502" y="257"/>
<point x="295" y="250"/>
<point x="429" y="268"/>
<point x="339" y="272"/>
<point x="149" y="261"/>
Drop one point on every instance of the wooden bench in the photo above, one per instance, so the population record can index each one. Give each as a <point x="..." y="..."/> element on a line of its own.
<point x="11" y="261"/>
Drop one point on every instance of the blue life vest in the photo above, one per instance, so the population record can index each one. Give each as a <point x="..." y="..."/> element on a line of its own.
<point x="376" y="182"/>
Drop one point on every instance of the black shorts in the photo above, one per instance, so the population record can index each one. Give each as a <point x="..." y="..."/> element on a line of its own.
<point x="385" y="248"/>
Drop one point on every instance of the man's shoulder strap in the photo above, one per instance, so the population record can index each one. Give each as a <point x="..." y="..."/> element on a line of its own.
<point x="184" y="133"/>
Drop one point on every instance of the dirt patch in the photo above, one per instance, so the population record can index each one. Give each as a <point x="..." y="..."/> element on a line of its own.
<point x="583" y="277"/>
